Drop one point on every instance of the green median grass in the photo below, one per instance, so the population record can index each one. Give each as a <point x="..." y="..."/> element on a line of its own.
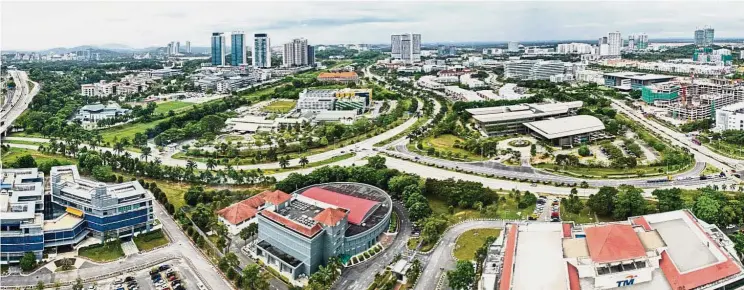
<point x="175" y="106"/>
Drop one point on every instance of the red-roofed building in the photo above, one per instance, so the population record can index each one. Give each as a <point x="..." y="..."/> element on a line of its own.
<point x="614" y="242"/>
<point x="358" y="208"/>
<point x="298" y="232"/>
<point x="240" y="214"/>
<point x="339" y="77"/>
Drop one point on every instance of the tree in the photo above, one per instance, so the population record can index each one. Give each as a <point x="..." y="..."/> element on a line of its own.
<point x="146" y="152"/>
<point x="706" y="208"/>
<point x="462" y="276"/>
<point x="304" y="161"/>
<point x="413" y="272"/>
<point x="211" y="163"/>
<point x="283" y="162"/>
<point x="190" y="165"/>
<point x="376" y="162"/>
<point x="603" y="202"/>
<point x="249" y="231"/>
<point x="629" y="202"/>
<point x="669" y="199"/>
<point x="397" y="184"/>
<point x="202" y="216"/>
<point x="254" y="279"/>
<point x="40" y="285"/>
<point x="28" y="261"/>
<point x="584" y="151"/>
<point x="78" y="284"/>
<point x="25" y="161"/>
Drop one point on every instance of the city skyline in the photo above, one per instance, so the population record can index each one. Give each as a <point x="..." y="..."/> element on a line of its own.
<point x="148" y="24"/>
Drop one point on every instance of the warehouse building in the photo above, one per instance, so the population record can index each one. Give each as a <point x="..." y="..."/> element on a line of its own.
<point x="299" y="232"/>
<point x="664" y="251"/>
<point x="505" y="120"/>
<point x="568" y="131"/>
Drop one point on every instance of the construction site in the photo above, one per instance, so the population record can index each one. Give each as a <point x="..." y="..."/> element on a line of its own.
<point x="690" y="99"/>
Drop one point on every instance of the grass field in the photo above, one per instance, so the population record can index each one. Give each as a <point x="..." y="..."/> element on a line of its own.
<point x="101" y="252"/>
<point x="600" y="172"/>
<point x="176" y="106"/>
<point x="446" y="143"/>
<point x="470" y="241"/>
<point x="506" y="210"/>
<point x="726" y="149"/>
<point x="413" y="242"/>
<point x="22" y="142"/>
<point x="312" y="164"/>
<point x="128" y="130"/>
<point x="151" y="240"/>
<point x="13" y="154"/>
<point x="280" y="107"/>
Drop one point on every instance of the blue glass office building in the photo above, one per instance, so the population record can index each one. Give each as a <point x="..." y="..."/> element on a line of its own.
<point x="218" y="48"/>
<point x="237" y="48"/>
<point x="75" y="208"/>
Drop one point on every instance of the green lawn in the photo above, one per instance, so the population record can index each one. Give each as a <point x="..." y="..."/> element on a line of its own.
<point x="710" y="169"/>
<point x="128" y="130"/>
<point x="312" y="164"/>
<point x="470" y="241"/>
<point x="101" y="252"/>
<point x="413" y="242"/>
<point x="176" y="106"/>
<point x="23" y="142"/>
<point x="280" y="107"/>
<point x="150" y="240"/>
<point x="726" y="149"/>
<point x="601" y="172"/>
<point x="446" y="143"/>
<point x="13" y="154"/>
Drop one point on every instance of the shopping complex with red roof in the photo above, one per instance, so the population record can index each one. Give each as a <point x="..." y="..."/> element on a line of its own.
<point x="672" y="250"/>
<point x="299" y="232"/>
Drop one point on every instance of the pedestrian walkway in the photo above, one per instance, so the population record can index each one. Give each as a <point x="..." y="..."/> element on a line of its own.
<point x="129" y="248"/>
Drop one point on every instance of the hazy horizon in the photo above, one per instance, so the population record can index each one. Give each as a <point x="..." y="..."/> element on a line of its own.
<point x="154" y="24"/>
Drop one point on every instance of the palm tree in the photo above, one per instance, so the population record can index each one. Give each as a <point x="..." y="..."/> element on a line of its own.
<point x="190" y="165"/>
<point x="211" y="163"/>
<point x="146" y="151"/>
<point x="118" y="147"/>
<point x="304" y="161"/>
<point x="283" y="162"/>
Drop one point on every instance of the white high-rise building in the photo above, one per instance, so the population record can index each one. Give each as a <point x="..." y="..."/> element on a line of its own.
<point x="295" y="53"/>
<point x="261" y="50"/>
<point x="177" y="48"/>
<point x="188" y="46"/>
<point x="406" y="47"/>
<point x="615" y="43"/>
<point x="513" y="46"/>
<point x="577" y="48"/>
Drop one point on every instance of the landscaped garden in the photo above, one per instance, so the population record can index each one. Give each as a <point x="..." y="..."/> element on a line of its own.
<point x="151" y="240"/>
<point x="280" y="106"/>
<point x="106" y="252"/>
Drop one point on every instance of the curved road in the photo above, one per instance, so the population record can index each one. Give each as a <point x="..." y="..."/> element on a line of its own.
<point x="19" y="103"/>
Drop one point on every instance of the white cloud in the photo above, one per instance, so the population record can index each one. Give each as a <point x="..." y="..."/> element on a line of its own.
<point x="41" y="25"/>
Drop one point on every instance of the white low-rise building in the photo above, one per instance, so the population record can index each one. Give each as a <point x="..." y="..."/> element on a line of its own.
<point x="462" y="94"/>
<point x="430" y="82"/>
<point x="730" y="117"/>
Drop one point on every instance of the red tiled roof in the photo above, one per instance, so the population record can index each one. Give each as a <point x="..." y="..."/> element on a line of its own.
<point x="511" y="243"/>
<point x="330" y="216"/>
<point x="242" y="211"/>
<point x="614" y="242"/>
<point x="697" y="278"/>
<point x="276" y="197"/>
<point x="641" y="221"/>
<point x="308" y="232"/>
<point x="237" y="213"/>
<point x="573" y="277"/>
<point x="358" y="207"/>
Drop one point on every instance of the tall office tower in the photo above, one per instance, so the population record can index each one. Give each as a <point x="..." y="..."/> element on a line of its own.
<point x="169" y="48"/>
<point x="237" y="49"/>
<point x="295" y="53"/>
<point x="218" y="48"/>
<point x="615" y="43"/>
<point x="704" y="37"/>
<point x="513" y="46"/>
<point x="188" y="46"/>
<point x="641" y="41"/>
<point x="261" y="50"/>
<point x="177" y="48"/>
<point x="395" y="40"/>
<point x="631" y="42"/>
<point x="406" y="47"/>
<point x="310" y="55"/>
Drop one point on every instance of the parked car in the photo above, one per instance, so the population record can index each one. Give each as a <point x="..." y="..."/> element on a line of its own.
<point x="164" y="267"/>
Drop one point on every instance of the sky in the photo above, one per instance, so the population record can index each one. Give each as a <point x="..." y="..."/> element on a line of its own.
<point x="30" y="25"/>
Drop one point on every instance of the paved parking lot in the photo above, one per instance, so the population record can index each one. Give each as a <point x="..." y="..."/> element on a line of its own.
<point x="144" y="282"/>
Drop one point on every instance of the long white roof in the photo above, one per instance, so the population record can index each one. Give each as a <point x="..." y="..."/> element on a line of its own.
<point x="568" y="126"/>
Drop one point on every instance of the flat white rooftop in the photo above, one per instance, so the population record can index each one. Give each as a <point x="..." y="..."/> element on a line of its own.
<point x="539" y="260"/>
<point x="687" y="250"/>
<point x="568" y="126"/>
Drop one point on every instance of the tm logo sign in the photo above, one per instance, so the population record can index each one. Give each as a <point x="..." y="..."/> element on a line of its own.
<point x="629" y="280"/>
